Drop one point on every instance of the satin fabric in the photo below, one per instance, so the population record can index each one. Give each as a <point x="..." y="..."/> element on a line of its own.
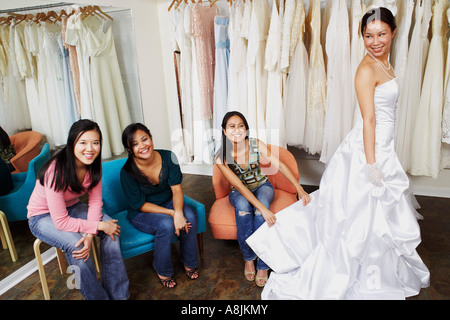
<point x="353" y="240"/>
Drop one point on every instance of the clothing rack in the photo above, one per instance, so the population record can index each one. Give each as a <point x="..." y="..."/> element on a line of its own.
<point x="44" y="6"/>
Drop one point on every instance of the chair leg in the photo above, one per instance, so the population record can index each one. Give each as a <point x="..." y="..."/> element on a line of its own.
<point x="2" y="238"/>
<point x="7" y="236"/>
<point x="200" y="244"/>
<point x="61" y="257"/>
<point x="95" y="254"/>
<point x="37" y="253"/>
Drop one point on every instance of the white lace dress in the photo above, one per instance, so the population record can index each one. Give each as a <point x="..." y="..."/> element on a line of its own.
<point x="427" y="135"/>
<point x="317" y="83"/>
<point x="295" y="97"/>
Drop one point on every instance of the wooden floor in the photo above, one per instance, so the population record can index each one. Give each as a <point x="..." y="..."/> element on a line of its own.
<point x="221" y="269"/>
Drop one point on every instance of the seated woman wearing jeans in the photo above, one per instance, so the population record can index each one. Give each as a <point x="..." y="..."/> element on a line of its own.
<point x="252" y="193"/>
<point x="151" y="179"/>
<point x="58" y="218"/>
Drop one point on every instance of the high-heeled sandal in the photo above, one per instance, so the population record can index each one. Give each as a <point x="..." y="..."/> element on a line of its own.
<point x="167" y="281"/>
<point x="190" y="273"/>
<point x="258" y="283"/>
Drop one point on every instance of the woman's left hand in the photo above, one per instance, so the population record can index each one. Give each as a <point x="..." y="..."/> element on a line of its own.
<point x="304" y="196"/>
<point x="84" y="252"/>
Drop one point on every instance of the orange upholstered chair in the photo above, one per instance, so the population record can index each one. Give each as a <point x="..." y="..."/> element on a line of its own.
<point x="27" y="146"/>
<point x="221" y="216"/>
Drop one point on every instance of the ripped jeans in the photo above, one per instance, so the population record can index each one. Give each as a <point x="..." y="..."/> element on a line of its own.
<point x="249" y="219"/>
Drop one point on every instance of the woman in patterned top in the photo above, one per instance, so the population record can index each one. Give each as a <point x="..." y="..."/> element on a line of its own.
<point x="252" y="193"/>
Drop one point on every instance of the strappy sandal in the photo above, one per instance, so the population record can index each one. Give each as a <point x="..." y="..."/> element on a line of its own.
<point x="249" y="275"/>
<point x="191" y="273"/>
<point x="166" y="282"/>
<point x="264" y="280"/>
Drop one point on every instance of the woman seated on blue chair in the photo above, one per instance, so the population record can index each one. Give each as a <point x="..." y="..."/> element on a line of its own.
<point x="58" y="218"/>
<point x="151" y="179"/>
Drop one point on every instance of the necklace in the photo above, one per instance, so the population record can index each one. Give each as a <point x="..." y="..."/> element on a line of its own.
<point x="382" y="66"/>
<point x="379" y="62"/>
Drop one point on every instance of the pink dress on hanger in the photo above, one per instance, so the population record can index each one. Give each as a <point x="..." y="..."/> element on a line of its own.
<point x="203" y="32"/>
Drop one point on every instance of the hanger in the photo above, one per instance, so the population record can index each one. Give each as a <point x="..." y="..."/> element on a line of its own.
<point x="6" y="20"/>
<point x="173" y="2"/>
<point x="98" y="10"/>
<point x="61" y="14"/>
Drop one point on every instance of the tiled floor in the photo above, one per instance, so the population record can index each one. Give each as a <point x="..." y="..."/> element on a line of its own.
<point x="221" y="269"/>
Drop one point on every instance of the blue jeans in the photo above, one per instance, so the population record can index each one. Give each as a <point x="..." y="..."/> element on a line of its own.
<point x="162" y="227"/>
<point x="114" y="279"/>
<point x="249" y="219"/>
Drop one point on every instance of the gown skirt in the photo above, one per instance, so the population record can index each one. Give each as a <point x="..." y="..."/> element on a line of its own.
<point x="354" y="240"/>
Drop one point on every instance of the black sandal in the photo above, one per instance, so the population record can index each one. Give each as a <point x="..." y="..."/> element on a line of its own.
<point x="166" y="282"/>
<point x="190" y="273"/>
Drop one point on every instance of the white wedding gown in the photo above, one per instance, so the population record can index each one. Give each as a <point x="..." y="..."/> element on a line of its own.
<point x="353" y="240"/>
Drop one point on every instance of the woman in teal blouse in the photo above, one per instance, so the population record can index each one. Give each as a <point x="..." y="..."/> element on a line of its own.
<point x="151" y="179"/>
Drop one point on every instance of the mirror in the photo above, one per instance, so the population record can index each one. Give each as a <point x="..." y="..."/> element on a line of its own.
<point x="124" y="43"/>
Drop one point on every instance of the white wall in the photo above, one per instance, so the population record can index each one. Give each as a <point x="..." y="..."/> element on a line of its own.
<point x="153" y="35"/>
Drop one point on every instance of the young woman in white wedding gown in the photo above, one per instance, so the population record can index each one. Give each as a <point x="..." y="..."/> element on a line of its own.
<point x="357" y="237"/>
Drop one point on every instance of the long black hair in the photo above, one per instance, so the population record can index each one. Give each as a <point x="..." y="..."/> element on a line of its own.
<point x="65" y="175"/>
<point x="4" y="138"/>
<point x="224" y="153"/>
<point x="382" y="14"/>
<point x="127" y="141"/>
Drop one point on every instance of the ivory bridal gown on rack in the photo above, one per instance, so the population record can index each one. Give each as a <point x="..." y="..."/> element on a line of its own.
<point x="353" y="240"/>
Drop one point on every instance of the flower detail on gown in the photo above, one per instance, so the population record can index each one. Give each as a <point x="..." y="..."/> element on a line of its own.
<point x="353" y="240"/>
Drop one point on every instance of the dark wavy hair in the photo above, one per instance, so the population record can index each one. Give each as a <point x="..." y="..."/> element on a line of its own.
<point x="224" y="152"/>
<point x="65" y="175"/>
<point x="382" y="14"/>
<point x="127" y="141"/>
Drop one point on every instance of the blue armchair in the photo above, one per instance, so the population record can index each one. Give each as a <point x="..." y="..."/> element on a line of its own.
<point x="132" y="241"/>
<point x="14" y="204"/>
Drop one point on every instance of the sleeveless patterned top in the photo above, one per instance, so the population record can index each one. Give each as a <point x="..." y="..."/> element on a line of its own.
<point x="252" y="177"/>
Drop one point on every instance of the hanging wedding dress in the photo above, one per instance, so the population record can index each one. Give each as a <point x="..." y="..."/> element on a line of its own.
<point x="353" y="240"/>
<point x="339" y="111"/>
<point x="39" y="116"/>
<point x="108" y="93"/>
<point x="203" y="33"/>
<point x="16" y="105"/>
<point x="75" y="34"/>
<point x="399" y="52"/>
<point x="274" y="108"/>
<point x="257" y="75"/>
<point x="426" y="142"/>
<point x="317" y="82"/>
<point x="202" y="37"/>
<point x="221" y="24"/>
<point x="446" y="113"/>
<point x="408" y="101"/>
<point x="295" y="97"/>
<point x="183" y="45"/>
<point x="237" y="75"/>
<point x="60" y="114"/>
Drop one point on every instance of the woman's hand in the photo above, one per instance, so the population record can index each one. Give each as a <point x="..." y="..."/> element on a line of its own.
<point x="269" y="216"/>
<point x="303" y="195"/>
<point x="109" y="227"/>
<point x="180" y="222"/>
<point x="84" y="252"/>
